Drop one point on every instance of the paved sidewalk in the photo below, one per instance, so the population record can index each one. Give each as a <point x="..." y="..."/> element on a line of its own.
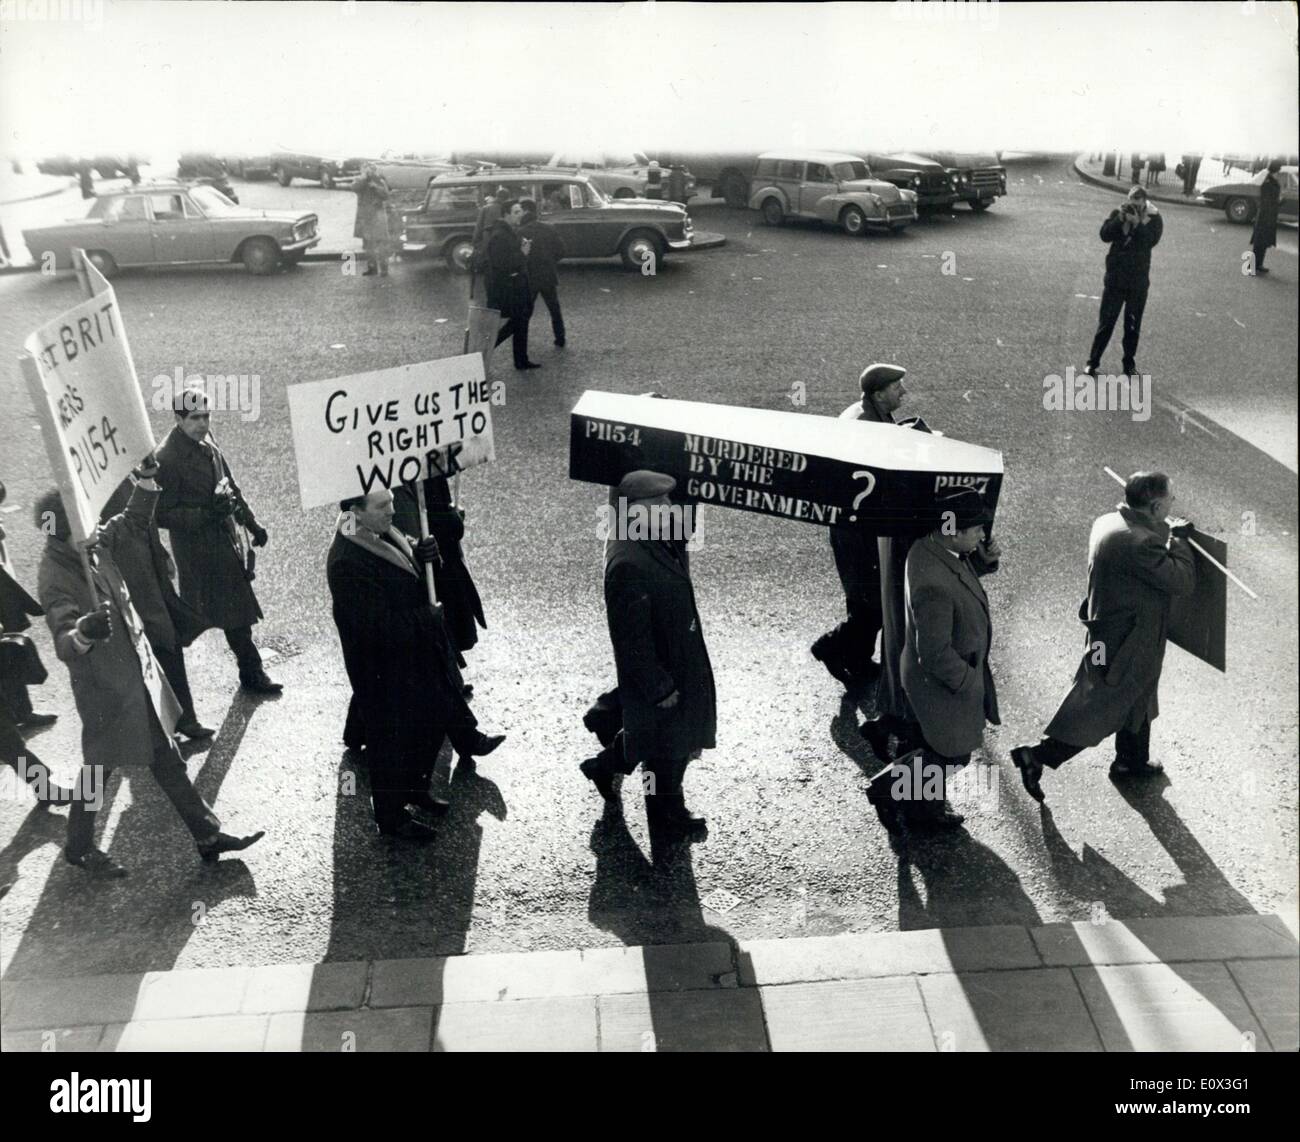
<point x="1211" y="173"/>
<point x="1223" y="983"/>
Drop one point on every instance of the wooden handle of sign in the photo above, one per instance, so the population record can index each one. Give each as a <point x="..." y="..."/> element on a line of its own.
<point x="424" y="534"/>
<point x="83" y="549"/>
<point x="1205" y="554"/>
<point x="79" y="265"/>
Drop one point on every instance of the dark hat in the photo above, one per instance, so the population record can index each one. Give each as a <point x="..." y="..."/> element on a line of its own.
<point x="876" y="377"/>
<point x="966" y="506"/>
<point x="643" y="484"/>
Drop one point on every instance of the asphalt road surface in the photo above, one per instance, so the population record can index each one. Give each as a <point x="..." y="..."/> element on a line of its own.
<point x="525" y="858"/>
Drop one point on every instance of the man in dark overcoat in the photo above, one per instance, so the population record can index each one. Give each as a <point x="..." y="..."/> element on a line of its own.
<point x="371" y="226"/>
<point x="544" y="255"/>
<point x="665" y="679"/>
<point x="507" y="281"/>
<point x="120" y="692"/>
<point x="1132" y="232"/>
<point x="398" y="660"/>
<point x="206" y="517"/>
<point x="847" y="650"/>
<point x="129" y="531"/>
<point x="945" y="661"/>
<point x="1265" y="233"/>
<point x="1137" y="564"/>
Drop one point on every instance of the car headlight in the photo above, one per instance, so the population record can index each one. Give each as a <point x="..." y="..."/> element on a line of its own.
<point x="916" y="180"/>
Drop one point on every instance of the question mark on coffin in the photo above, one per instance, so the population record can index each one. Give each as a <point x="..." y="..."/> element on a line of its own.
<point x="862" y="495"/>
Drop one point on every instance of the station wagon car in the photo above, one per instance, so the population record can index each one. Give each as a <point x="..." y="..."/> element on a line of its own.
<point x="933" y="185"/>
<point x="829" y="186"/>
<point x="1240" y="200"/>
<point x="589" y="224"/>
<point x="168" y="224"/>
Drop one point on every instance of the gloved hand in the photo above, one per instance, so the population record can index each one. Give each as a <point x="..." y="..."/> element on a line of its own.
<point x="1182" y="528"/>
<point x="96" y="626"/>
<point x="147" y="469"/>
<point x="259" y="536"/>
<point x="426" y="552"/>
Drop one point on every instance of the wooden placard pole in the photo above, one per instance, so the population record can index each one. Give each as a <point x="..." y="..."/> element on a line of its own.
<point x="424" y="534"/>
<point x="79" y="265"/>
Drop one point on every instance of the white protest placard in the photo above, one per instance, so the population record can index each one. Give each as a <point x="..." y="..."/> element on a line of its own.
<point x="357" y="434"/>
<point x="93" y="417"/>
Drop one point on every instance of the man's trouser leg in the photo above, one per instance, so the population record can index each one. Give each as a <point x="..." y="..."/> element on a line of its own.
<point x="389" y="786"/>
<point x="1260" y="251"/>
<point x="1052" y="753"/>
<point x="462" y="725"/>
<point x="172" y="662"/>
<point x="87" y="798"/>
<point x="1134" y="305"/>
<point x="519" y="338"/>
<point x="240" y="640"/>
<point x="14" y="695"/>
<point x="1112" y="300"/>
<point x="1133" y="747"/>
<point x="662" y="776"/>
<point x="551" y="295"/>
<point x="354" y="730"/>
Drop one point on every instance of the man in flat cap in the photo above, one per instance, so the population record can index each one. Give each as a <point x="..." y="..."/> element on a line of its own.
<point x="847" y="650"/>
<point x="1137" y="564"/>
<point x="665" y="680"/>
<point x="945" y="663"/>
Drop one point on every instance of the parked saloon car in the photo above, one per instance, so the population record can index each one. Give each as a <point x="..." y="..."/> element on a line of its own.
<point x="979" y="179"/>
<point x="1240" y="200"/>
<point x="933" y="185"/>
<point x="726" y="174"/>
<point x="622" y="175"/>
<point x="177" y="224"/>
<point x="589" y="224"/>
<point x="414" y="170"/>
<point x="285" y="166"/>
<point x="828" y="185"/>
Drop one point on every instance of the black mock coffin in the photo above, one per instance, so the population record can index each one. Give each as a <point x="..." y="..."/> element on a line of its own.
<point x="816" y="469"/>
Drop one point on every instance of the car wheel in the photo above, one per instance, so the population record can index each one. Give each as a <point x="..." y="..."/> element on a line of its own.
<point x="459" y="255"/>
<point x="980" y="204"/>
<point x="624" y="192"/>
<point x="326" y="179"/>
<point x="773" y="212"/>
<point x="1239" y="210"/>
<point x="735" y="191"/>
<point x="103" y="262"/>
<point x="261" y="256"/>
<point x="639" y="246"/>
<point x="282" y="176"/>
<point x="853" y="221"/>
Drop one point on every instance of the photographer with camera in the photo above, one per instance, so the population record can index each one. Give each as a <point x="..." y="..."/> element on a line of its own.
<point x="212" y="531"/>
<point x="1132" y="232"/>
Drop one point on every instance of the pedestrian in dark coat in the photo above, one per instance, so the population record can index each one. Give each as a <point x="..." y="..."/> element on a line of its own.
<point x="17" y="608"/>
<point x="507" y="281"/>
<point x="1135" y="164"/>
<point x="489" y="214"/>
<point x="1137" y="564"/>
<point x="677" y="183"/>
<point x="544" y="254"/>
<point x="206" y="517"/>
<point x="462" y="608"/>
<point x="373" y="195"/>
<point x="1265" y="233"/>
<point x="1155" y="167"/>
<point x="665" y="679"/>
<point x="122" y="697"/>
<point x="847" y="650"/>
<point x="1132" y="232"/>
<point x="398" y="660"/>
<point x="945" y="662"/>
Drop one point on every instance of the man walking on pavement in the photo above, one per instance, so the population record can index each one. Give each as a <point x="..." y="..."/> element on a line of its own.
<point x="120" y="694"/>
<point x="544" y="254"/>
<point x="1137" y="564"/>
<point x="507" y="282"/>
<point x="665" y="680"/>
<point x="1265" y="233"/>
<point x="945" y="663"/>
<point x="207" y="517"/>
<point x="847" y="651"/>
<point x="1132" y="232"/>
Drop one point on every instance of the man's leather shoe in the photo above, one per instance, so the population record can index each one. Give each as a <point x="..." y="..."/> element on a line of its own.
<point x="1031" y="771"/>
<point x="260" y="684"/>
<point x="225" y="843"/>
<point x="560" y="343"/>
<point x="193" y="729"/>
<point x="1260" y="270"/>
<point x="484" y="744"/>
<point x="928" y="817"/>
<point x="1119" y="768"/>
<point x="97" y="864"/>
<point x="528" y="365"/>
<point x="876" y="736"/>
<point x="409" y="829"/>
<point x="835" y="666"/>
<point x="668" y="816"/>
<point x="467" y="691"/>
<point x="35" y="720"/>
<point x="600" y="778"/>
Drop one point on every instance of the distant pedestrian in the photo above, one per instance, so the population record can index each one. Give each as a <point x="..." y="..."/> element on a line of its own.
<point x="1137" y="564"/>
<point x="86" y="179"/>
<point x="1132" y="232"/>
<point x="372" y="225"/>
<point x="1191" y="170"/>
<point x="545" y="252"/>
<point x="1135" y="164"/>
<point x="1155" y="167"/>
<point x="489" y="215"/>
<point x="677" y="183"/>
<point x="507" y="282"/>
<point x="1265" y="233"/>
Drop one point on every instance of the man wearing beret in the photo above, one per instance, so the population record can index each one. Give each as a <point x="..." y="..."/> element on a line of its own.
<point x="1137" y="564"/>
<point x="665" y="680"/>
<point x="945" y="662"/>
<point x="847" y="650"/>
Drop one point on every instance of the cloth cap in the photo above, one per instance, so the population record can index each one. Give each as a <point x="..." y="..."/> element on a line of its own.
<point x="643" y="484"/>
<point x="967" y="506"/>
<point x="876" y="377"/>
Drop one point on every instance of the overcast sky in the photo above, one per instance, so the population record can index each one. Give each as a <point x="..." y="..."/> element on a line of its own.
<point x="361" y="78"/>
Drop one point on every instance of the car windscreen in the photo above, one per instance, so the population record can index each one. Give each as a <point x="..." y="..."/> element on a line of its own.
<point x="455" y="202"/>
<point x="212" y="201"/>
<point x="847" y="172"/>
